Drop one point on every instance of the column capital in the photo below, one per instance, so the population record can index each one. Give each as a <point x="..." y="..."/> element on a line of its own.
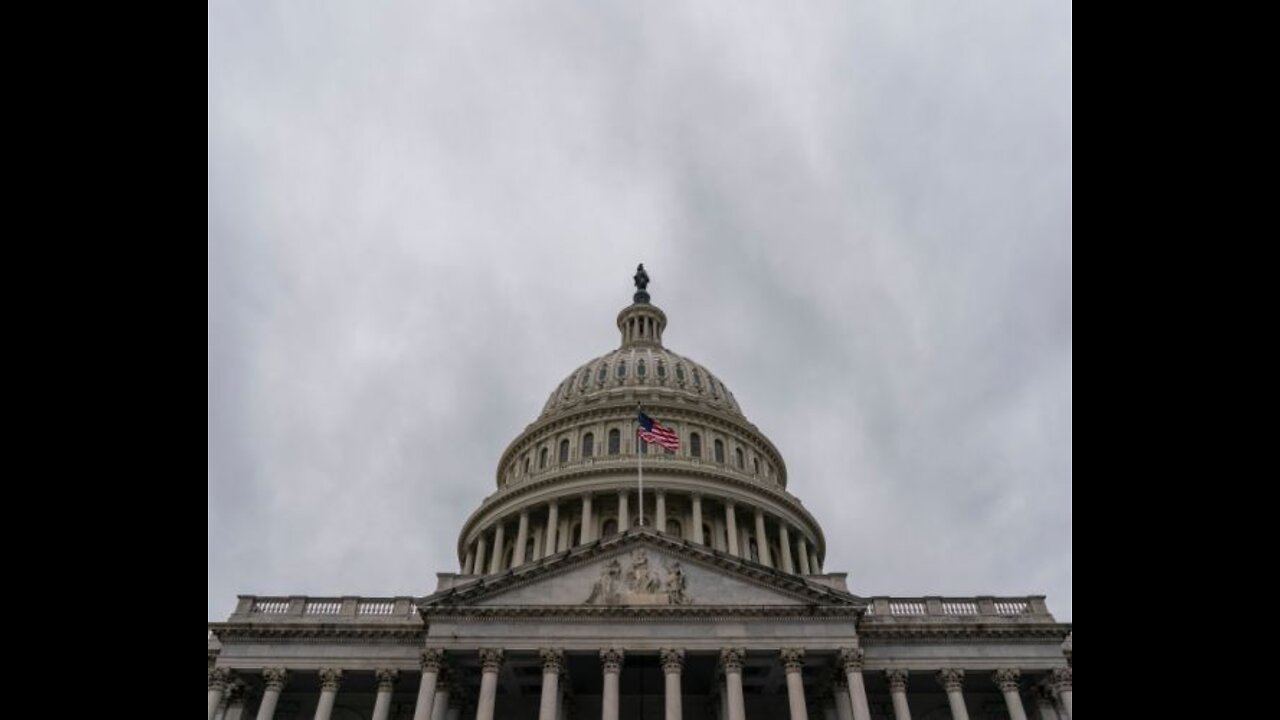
<point x="612" y="659"/>
<point x="851" y="659"/>
<point x="1062" y="679"/>
<point x="731" y="659"/>
<point x="237" y="691"/>
<point x="330" y="678"/>
<point x="491" y="659"/>
<point x="431" y="660"/>
<point x="792" y="659"/>
<point x="218" y="678"/>
<point x="386" y="678"/>
<point x="897" y="679"/>
<point x="274" y="678"/>
<point x="951" y="679"/>
<point x="1007" y="679"/>
<point x="552" y="660"/>
<point x="672" y="659"/>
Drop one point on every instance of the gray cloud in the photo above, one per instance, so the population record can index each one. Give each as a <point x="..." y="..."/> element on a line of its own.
<point x="423" y="217"/>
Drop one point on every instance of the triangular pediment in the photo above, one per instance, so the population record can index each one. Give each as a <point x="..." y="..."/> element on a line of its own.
<point x="641" y="569"/>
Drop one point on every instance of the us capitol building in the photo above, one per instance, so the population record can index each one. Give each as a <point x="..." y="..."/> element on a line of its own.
<point x="708" y="600"/>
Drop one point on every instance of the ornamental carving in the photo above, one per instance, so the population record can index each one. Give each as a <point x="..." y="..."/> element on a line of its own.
<point x="218" y="678"/>
<point x="491" y="659"/>
<point x="952" y="679"/>
<point x="672" y="659"/>
<point x="1062" y="679"/>
<point x="552" y="660"/>
<point x="731" y="659"/>
<point x="330" y="679"/>
<point x="612" y="658"/>
<point x="897" y="680"/>
<point x="274" y="678"/>
<point x="1007" y="679"/>
<point x="386" y="678"/>
<point x="792" y="659"/>
<point x="851" y="659"/>
<point x="639" y="585"/>
<point x="432" y="659"/>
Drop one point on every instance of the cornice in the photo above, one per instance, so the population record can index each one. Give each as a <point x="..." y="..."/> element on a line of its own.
<point x="652" y="613"/>
<point x="327" y="632"/>
<point x="966" y="631"/>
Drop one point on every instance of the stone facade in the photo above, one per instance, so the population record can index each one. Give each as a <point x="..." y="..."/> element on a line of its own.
<point x="580" y="596"/>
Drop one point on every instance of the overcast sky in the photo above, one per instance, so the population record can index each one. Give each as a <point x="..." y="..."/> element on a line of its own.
<point x="423" y="216"/>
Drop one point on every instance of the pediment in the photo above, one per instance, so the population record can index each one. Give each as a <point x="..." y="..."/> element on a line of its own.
<point x="641" y="569"/>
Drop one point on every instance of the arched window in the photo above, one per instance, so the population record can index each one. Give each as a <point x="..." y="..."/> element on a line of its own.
<point x="615" y="442"/>
<point x="575" y="535"/>
<point x="510" y="557"/>
<point x="526" y="464"/>
<point x="528" y="551"/>
<point x="610" y="528"/>
<point x="564" y="451"/>
<point x="719" y="451"/>
<point x="755" y="550"/>
<point x="737" y="452"/>
<point x="603" y="374"/>
<point x="621" y="370"/>
<point x="695" y="445"/>
<point x="542" y="459"/>
<point x="673" y="528"/>
<point x="680" y="373"/>
<point x="588" y="445"/>
<point x="586" y="378"/>
<point x="640" y="369"/>
<point x="662" y="370"/>
<point x="697" y="378"/>
<point x="706" y="534"/>
<point x="755" y="465"/>
<point x="712" y="383"/>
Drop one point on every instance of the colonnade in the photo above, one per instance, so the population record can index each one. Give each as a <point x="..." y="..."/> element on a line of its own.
<point x="746" y="531"/>
<point x="848" y="691"/>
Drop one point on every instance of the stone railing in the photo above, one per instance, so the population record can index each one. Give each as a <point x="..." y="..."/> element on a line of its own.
<point x="253" y="608"/>
<point x="894" y="608"/>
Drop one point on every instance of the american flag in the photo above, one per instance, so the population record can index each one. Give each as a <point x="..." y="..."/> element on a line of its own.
<point x="652" y="431"/>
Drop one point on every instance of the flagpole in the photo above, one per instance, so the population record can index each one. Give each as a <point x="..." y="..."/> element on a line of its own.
<point x="640" y="463"/>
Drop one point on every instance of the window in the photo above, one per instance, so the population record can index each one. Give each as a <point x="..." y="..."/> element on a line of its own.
<point x="603" y="374"/>
<point x="621" y="370"/>
<point x="542" y="459"/>
<point x="755" y="550"/>
<point x="712" y="383"/>
<point x="575" y="535"/>
<point x="719" y="451"/>
<point x="586" y="378"/>
<point x="755" y="465"/>
<point x="640" y="369"/>
<point x="680" y="373"/>
<point x="610" y="528"/>
<point x="564" y="451"/>
<point x="528" y="551"/>
<point x="695" y="445"/>
<point x="673" y="527"/>
<point x="737" y="452"/>
<point x="706" y="534"/>
<point x="662" y="370"/>
<point x="511" y="553"/>
<point x="526" y="464"/>
<point x="697" y="378"/>
<point x="588" y="445"/>
<point x="615" y="442"/>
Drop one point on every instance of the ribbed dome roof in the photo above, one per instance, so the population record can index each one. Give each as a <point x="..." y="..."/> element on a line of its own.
<point x="641" y="367"/>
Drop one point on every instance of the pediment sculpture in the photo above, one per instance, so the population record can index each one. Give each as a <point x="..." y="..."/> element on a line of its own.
<point x="639" y="585"/>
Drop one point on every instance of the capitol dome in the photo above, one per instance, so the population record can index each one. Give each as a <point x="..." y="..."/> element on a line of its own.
<point x="572" y="476"/>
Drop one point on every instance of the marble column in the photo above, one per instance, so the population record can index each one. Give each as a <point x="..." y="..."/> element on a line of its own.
<point x="802" y="553"/>
<point x="480" y="548"/>
<point x="468" y="564"/>
<point x="552" y="666"/>
<point x="218" y="678"/>
<point x="851" y="664"/>
<point x="844" y="707"/>
<point x="330" y="679"/>
<point x="586" y="533"/>
<point x="499" y="539"/>
<point x="897" y="680"/>
<point x="784" y="547"/>
<point x="672" y="665"/>
<point x="731" y="523"/>
<point x="611" y="659"/>
<point x="624" y="513"/>
<point x="814" y="565"/>
<point x="386" y="678"/>
<point x="1007" y="679"/>
<point x="553" y="517"/>
<point x="431" y="660"/>
<point x="697" y="520"/>
<point x="660" y="511"/>
<point x="762" y="539"/>
<point x="522" y="539"/>
<point x="952" y="680"/>
<point x="537" y="535"/>
<point x="444" y="694"/>
<point x="490" y="663"/>
<point x="273" y="680"/>
<point x="1062" y="686"/>
<point x="731" y="660"/>
<point x="236" y="692"/>
<point x="793" y="661"/>
<point x="1045" y="703"/>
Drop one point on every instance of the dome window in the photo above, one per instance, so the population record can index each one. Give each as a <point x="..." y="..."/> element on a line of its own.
<point x="712" y="383"/>
<point x="697" y="378"/>
<point x="719" y="451"/>
<point x="662" y="370"/>
<point x="542" y="458"/>
<point x="610" y="528"/>
<point x="586" y="378"/>
<point x="695" y="445"/>
<point x="526" y="464"/>
<point x="588" y="445"/>
<point x="564" y="451"/>
<point x="603" y="374"/>
<point x="755" y="465"/>
<point x="737" y="452"/>
<point x="673" y="528"/>
<point x="641" y="371"/>
<point x="680" y="373"/>
<point x="615" y="442"/>
<point x="621" y="370"/>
